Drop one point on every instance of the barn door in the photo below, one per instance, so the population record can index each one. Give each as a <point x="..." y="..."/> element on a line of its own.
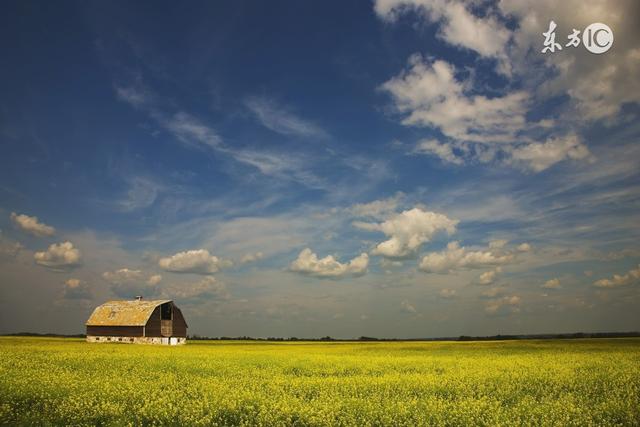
<point x="166" y="319"/>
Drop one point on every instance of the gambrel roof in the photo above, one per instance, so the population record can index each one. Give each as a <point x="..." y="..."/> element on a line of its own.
<point x="124" y="313"/>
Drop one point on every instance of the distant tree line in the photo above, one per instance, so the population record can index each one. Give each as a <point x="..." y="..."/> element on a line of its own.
<point x="575" y="335"/>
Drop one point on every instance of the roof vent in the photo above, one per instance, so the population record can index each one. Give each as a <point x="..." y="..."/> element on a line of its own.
<point x="138" y="297"/>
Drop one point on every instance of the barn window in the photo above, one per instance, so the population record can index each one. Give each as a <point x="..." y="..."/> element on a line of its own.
<point x="165" y="312"/>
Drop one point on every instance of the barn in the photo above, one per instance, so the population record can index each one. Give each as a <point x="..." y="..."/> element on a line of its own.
<point x="137" y="321"/>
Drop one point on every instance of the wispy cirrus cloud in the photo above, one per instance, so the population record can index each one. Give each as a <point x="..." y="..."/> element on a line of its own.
<point x="195" y="133"/>
<point x="281" y="120"/>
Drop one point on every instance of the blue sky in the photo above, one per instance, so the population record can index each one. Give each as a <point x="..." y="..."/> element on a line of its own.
<point x="396" y="168"/>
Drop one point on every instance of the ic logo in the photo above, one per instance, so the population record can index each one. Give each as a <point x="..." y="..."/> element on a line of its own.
<point x="597" y="38"/>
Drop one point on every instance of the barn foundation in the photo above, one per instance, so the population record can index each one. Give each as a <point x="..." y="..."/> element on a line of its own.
<point x="137" y="340"/>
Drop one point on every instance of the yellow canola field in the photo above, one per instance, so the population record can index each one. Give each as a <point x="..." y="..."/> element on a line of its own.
<point x="568" y="382"/>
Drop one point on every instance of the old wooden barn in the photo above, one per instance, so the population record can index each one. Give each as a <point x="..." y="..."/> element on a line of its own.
<point x="138" y="321"/>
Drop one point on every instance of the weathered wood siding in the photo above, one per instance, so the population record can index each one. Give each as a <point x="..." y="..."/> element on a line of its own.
<point x="154" y="325"/>
<point x="152" y="328"/>
<point x="179" y="324"/>
<point x="119" y="331"/>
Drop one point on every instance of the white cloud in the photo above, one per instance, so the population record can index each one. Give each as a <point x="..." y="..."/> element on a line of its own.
<point x="59" y="256"/>
<point x="458" y="26"/>
<point x="444" y="151"/>
<point x="134" y="96"/>
<point x="598" y="88"/>
<point x="280" y="120"/>
<point x="76" y="289"/>
<point x="194" y="133"/>
<point x="524" y="247"/>
<point x="31" y="225"/>
<point x="432" y="93"/>
<point x="206" y="288"/>
<point x="127" y="283"/>
<point x="429" y="94"/>
<point x="190" y="130"/>
<point x="456" y="257"/>
<point x="142" y="193"/>
<point x="489" y="277"/>
<point x="551" y="284"/>
<point x="378" y="209"/>
<point x="282" y="165"/>
<point x="251" y="257"/>
<point x="504" y="305"/>
<point x="632" y="276"/>
<point x="328" y="267"/>
<point x="407" y="231"/>
<point x="540" y="156"/>
<point x="198" y="261"/>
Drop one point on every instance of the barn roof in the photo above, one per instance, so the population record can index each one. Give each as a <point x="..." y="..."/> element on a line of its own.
<point x="123" y="313"/>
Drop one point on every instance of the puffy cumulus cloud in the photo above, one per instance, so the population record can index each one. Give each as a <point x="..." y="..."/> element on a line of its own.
<point x="76" y="289"/>
<point x="30" y="224"/>
<point x="551" y="284"/>
<point x="378" y="209"/>
<point x="524" y="247"/>
<point x="433" y="94"/>
<point x="429" y="94"/>
<point x="126" y="283"/>
<point x="209" y="288"/>
<point x="503" y="305"/>
<point x="444" y="151"/>
<point x="447" y="293"/>
<point x="61" y="256"/>
<point x="489" y="277"/>
<point x="407" y="231"/>
<point x="598" y="88"/>
<point x="308" y="263"/>
<point x="251" y="257"/>
<point x="456" y="257"/>
<point x="631" y="277"/>
<point x="458" y="25"/>
<point x="539" y="156"/>
<point x="198" y="261"/>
